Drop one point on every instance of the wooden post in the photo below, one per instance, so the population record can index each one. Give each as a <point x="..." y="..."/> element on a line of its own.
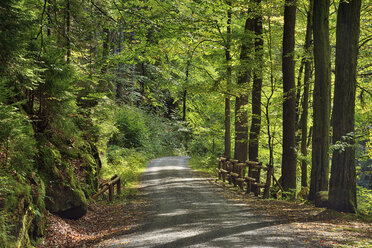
<point x="241" y="176"/>
<point x="119" y="187"/>
<point x="229" y="169"/>
<point x="257" y="189"/>
<point x="111" y="191"/>
<point x="224" y="167"/>
<point x="268" y="182"/>
<point x="219" y="168"/>
<point x="249" y="183"/>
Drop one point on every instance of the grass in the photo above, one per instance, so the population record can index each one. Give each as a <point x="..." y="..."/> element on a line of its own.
<point x="203" y="164"/>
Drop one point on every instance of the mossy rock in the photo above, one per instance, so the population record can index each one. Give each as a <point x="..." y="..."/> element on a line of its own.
<point x="66" y="201"/>
<point x="24" y="206"/>
<point x="64" y="196"/>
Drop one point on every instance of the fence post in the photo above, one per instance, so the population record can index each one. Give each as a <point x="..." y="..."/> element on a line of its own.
<point x="256" y="188"/>
<point x="268" y="181"/>
<point x="219" y="168"/>
<point x="224" y="167"/>
<point x="249" y="182"/>
<point x="111" y="191"/>
<point x="241" y="176"/>
<point x="119" y="187"/>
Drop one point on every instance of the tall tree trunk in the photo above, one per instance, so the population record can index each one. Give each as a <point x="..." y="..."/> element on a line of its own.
<point x="228" y="85"/>
<point x="305" y="96"/>
<point x="342" y="191"/>
<point x="241" y="115"/>
<point x="289" y="102"/>
<point x="68" y="29"/>
<point x="321" y="98"/>
<point x="184" y="98"/>
<point x="257" y="87"/>
<point x="298" y="92"/>
<point x="184" y="95"/>
<point x="304" y="118"/>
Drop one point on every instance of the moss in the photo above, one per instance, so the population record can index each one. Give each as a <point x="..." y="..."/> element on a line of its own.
<point x="25" y="209"/>
<point x="23" y="239"/>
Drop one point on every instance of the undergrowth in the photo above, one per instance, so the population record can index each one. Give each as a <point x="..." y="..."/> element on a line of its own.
<point x="138" y="136"/>
<point x="205" y="163"/>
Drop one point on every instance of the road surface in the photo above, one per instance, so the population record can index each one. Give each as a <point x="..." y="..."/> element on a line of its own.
<point x="186" y="211"/>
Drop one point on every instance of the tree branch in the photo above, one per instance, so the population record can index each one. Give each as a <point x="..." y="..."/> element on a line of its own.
<point x="102" y="11"/>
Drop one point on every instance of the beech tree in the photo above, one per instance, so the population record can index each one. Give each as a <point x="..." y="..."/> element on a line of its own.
<point x="342" y="190"/>
<point x="257" y="86"/>
<point x="321" y="99"/>
<point x="305" y="96"/>
<point x="289" y="102"/>
<point x="241" y="115"/>
<point x="228" y="84"/>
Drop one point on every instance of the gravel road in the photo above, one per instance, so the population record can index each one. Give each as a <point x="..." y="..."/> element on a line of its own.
<point x="186" y="211"/>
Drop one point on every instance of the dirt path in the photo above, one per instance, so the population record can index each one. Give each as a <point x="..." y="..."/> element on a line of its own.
<point x="185" y="211"/>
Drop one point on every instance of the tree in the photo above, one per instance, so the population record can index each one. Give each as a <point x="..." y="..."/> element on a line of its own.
<point x="257" y="87"/>
<point x="305" y="95"/>
<point x="241" y="115"/>
<point x="228" y="83"/>
<point x="289" y="102"/>
<point x="321" y="99"/>
<point x="342" y="190"/>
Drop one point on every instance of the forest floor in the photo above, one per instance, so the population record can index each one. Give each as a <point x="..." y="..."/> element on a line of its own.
<point x="318" y="227"/>
<point x="327" y="227"/>
<point x="102" y="221"/>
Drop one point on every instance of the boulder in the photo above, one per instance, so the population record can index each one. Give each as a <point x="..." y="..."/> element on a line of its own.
<point x="65" y="201"/>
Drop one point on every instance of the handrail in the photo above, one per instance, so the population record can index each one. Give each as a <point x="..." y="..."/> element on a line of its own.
<point x="115" y="180"/>
<point x="235" y="172"/>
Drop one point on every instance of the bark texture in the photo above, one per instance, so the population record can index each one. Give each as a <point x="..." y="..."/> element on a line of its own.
<point x="256" y="89"/>
<point x="241" y="115"/>
<point x="342" y="190"/>
<point x="322" y="99"/>
<point x="305" y="95"/>
<point x="228" y="85"/>
<point x="289" y="102"/>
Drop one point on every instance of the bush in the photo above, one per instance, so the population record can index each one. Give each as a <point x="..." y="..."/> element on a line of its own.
<point x="127" y="163"/>
<point x="364" y="197"/>
<point x="133" y="132"/>
<point x="17" y="145"/>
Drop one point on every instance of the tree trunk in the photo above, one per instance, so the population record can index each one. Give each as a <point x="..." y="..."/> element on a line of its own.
<point x="228" y="85"/>
<point x="184" y="96"/>
<point x="305" y="98"/>
<point x="256" y="89"/>
<point x="68" y="28"/>
<point x="342" y="191"/>
<point x="289" y="102"/>
<point x="298" y="90"/>
<point x="241" y="115"/>
<point x="321" y="98"/>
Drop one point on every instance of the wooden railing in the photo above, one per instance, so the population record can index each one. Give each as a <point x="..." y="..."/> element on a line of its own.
<point x="235" y="172"/>
<point x="110" y="186"/>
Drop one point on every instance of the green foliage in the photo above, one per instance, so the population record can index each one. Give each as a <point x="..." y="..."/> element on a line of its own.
<point x="364" y="199"/>
<point x="133" y="132"/>
<point x="127" y="163"/>
<point x="5" y="228"/>
<point x="17" y="146"/>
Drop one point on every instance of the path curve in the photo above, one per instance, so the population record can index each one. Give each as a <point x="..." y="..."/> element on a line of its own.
<point x="185" y="211"/>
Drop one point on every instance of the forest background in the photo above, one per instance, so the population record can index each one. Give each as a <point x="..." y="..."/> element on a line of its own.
<point x="89" y="89"/>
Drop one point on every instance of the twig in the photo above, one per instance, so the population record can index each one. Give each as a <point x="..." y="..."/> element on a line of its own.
<point x="103" y="12"/>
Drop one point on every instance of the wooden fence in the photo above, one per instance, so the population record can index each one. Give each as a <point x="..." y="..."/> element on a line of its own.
<point x="110" y="186"/>
<point x="235" y="172"/>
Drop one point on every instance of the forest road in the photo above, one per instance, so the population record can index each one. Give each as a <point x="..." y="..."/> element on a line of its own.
<point x="187" y="211"/>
